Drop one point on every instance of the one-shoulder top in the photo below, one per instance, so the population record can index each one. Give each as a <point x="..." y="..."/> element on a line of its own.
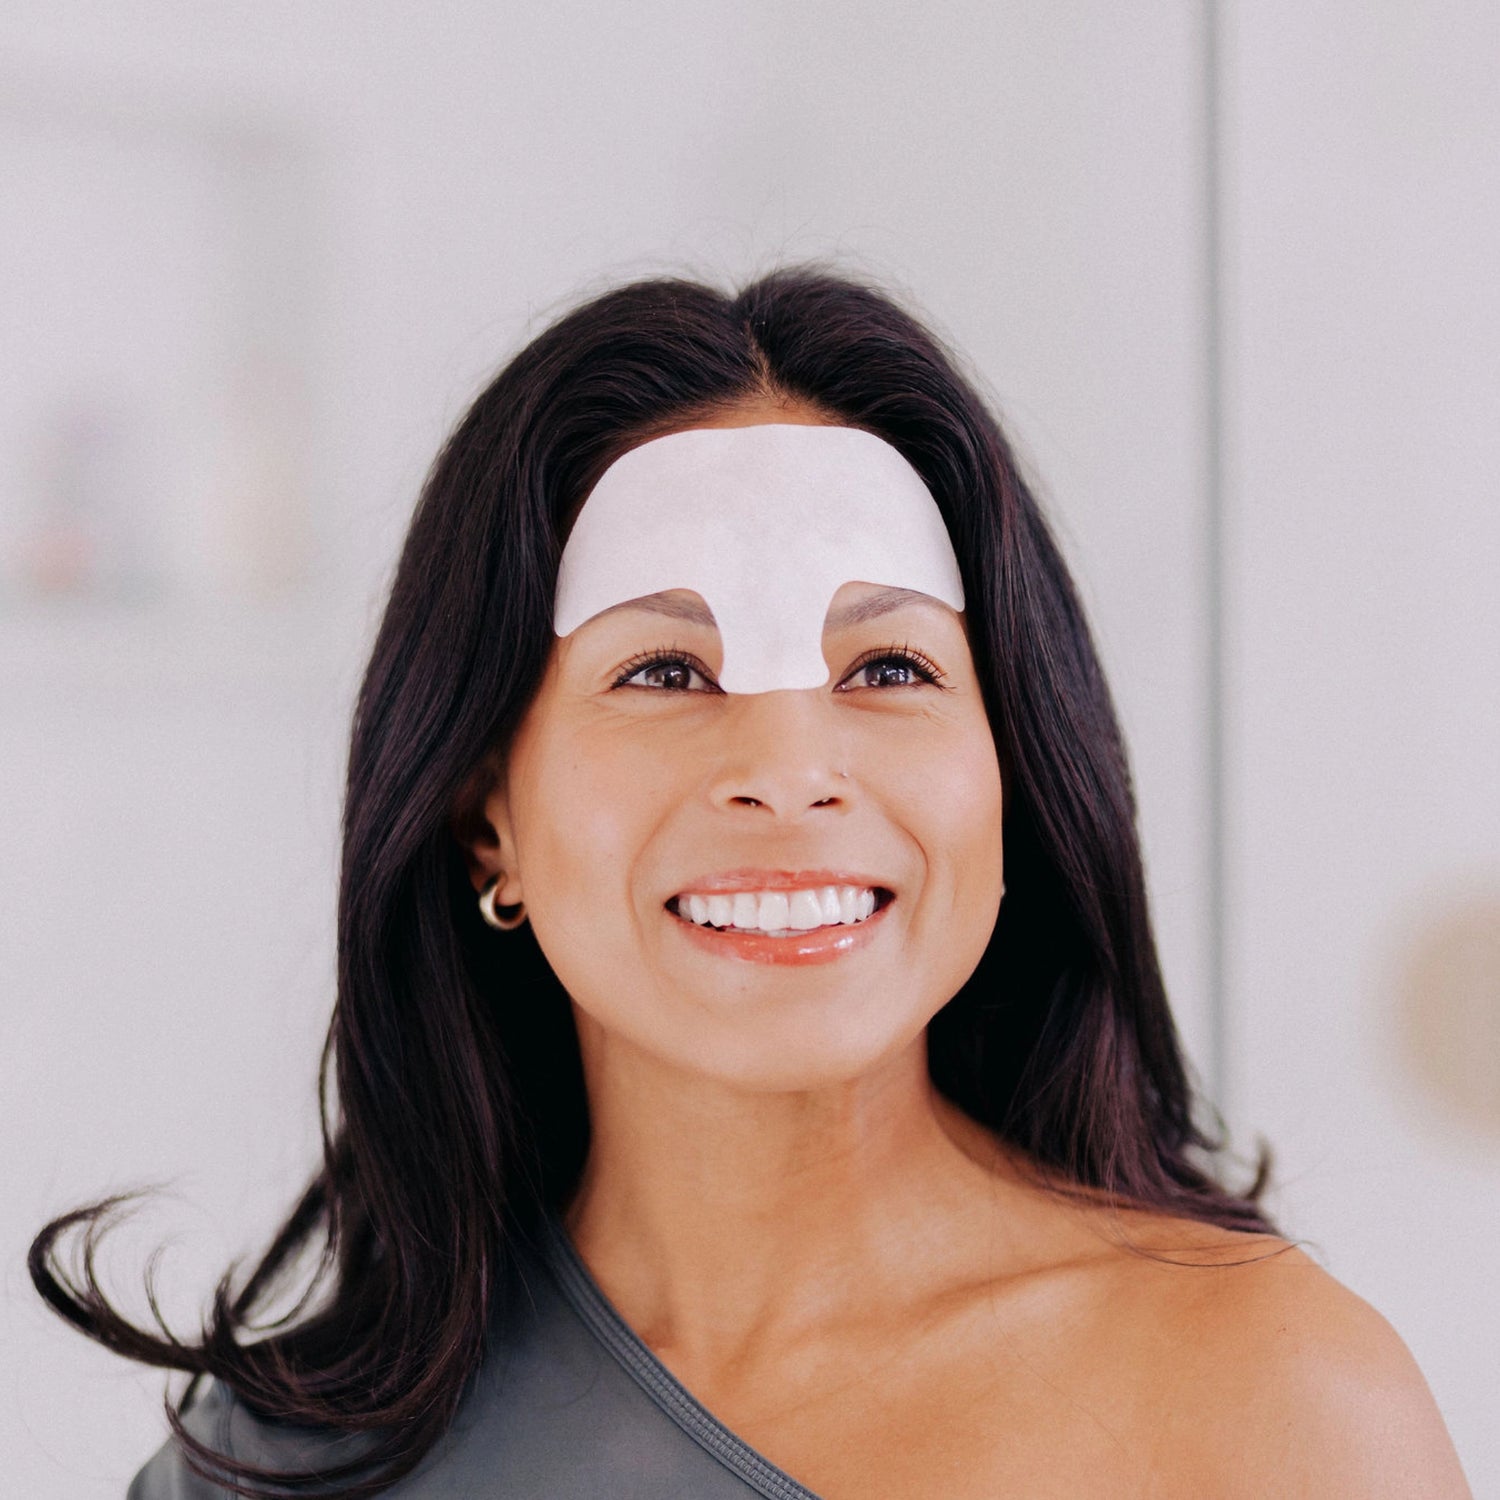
<point x="568" y="1404"/>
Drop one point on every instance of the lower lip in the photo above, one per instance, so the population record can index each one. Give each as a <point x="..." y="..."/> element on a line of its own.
<point x="820" y="945"/>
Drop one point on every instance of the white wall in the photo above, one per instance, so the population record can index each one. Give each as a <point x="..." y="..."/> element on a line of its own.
<point x="1031" y="173"/>
<point x="1364" y="680"/>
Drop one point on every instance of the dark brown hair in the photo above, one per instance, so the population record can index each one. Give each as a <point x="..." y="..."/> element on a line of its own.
<point x="460" y="1112"/>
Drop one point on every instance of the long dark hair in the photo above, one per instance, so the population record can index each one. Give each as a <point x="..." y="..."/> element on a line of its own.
<point x="461" y="1113"/>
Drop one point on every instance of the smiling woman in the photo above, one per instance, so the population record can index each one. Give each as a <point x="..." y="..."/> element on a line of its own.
<point x="797" y="1110"/>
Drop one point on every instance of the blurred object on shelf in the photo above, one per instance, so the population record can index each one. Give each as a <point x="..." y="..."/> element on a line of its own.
<point x="81" y="534"/>
<point x="155" y="297"/>
<point x="1450" y="1010"/>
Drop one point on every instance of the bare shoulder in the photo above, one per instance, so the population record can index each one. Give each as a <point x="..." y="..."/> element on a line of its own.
<point x="1281" y="1380"/>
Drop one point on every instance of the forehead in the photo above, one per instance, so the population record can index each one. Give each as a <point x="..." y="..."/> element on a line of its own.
<point x="764" y="523"/>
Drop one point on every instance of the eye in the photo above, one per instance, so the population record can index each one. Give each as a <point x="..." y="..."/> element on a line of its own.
<point x="666" y="671"/>
<point x="892" y="666"/>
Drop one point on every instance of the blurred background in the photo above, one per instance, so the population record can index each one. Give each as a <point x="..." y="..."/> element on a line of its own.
<point x="1228" y="273"/>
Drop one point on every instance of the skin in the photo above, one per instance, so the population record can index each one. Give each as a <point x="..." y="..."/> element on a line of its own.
<point x="853" y="1276"/>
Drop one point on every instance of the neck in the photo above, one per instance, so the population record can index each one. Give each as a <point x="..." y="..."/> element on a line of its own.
<point x="720" y="1219"/>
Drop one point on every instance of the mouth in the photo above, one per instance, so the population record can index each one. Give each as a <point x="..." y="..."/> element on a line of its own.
<point x="780" y="913"/>
<point x="806" y="919"/>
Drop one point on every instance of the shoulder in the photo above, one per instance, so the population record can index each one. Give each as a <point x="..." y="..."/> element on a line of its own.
<point x="1281" y="1381"/>
<point x="225" y="1425"/>
<point x="167" y="1475"/>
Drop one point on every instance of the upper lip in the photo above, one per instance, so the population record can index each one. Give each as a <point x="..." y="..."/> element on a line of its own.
<point x="728" y="881"/>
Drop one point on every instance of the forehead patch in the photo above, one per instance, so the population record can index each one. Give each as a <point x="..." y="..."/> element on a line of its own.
<point x="766" y="523"/>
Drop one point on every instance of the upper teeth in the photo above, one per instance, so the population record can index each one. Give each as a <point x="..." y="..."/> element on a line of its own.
<point x="780" y="911"/>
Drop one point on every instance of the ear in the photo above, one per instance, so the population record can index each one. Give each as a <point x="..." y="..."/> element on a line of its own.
<point x="480" y="824"/>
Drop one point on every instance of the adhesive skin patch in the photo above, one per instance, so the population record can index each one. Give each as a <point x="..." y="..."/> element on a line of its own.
<point x="766" y="523"/>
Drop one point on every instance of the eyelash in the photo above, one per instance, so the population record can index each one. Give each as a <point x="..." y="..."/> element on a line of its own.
<point x="903" y="655"/>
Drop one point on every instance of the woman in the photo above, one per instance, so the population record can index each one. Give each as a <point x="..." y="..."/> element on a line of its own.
<point x="740" y="1138"/>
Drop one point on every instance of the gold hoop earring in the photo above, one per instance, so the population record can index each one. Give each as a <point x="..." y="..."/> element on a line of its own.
<point x="512" y="916"/>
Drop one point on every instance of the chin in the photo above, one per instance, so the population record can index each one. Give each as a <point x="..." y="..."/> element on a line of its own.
<point x="791" y="1054"/>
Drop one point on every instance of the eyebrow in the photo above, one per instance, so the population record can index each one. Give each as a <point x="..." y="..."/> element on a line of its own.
<point x="695" y="612"/>
<point x="882" y="602"/>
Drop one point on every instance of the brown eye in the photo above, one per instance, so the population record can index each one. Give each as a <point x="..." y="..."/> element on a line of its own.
<point x="892" y="667"/>
<point x="888" y="673"/>
<point x="666" y="673"/>
<point x="675" y="675"/>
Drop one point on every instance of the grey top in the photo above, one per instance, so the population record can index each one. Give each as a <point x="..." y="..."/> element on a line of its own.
<point x="568" y="1404"/>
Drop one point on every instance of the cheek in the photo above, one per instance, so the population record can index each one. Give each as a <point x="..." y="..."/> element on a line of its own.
<point x="959" y="826"/>
<point x="582" y="812"/>
<point x="589" y="810"/>
<point x="980" y="818"/>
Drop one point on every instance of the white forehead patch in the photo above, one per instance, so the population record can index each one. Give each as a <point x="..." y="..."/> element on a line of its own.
<point x="766" y="523"/>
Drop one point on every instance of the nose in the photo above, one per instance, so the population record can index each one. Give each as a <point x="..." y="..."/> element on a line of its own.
<point x="782" y="753"/>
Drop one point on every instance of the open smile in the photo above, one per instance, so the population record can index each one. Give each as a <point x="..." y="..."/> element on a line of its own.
<point x="781" y="919"/>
